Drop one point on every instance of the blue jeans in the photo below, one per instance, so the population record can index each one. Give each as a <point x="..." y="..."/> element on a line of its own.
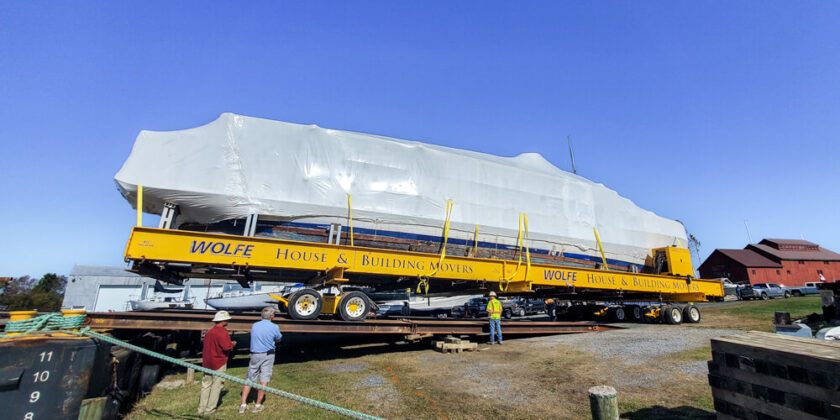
<point x="495" y="327"/>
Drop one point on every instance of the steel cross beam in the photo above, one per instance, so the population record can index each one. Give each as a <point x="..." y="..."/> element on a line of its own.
<point x="199" y="320"/>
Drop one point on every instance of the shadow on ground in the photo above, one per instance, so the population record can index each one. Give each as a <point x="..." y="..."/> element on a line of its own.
<point x="659" y="412"/>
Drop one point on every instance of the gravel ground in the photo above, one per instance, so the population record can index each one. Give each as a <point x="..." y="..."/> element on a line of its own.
<point x="346" y="367"/>
<point x="370" y="381"/>
<point x="639" y="343"/>
<point x="694" y="368"/>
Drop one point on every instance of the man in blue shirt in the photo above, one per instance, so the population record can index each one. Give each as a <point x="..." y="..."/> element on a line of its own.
<point x="264" y="335"/>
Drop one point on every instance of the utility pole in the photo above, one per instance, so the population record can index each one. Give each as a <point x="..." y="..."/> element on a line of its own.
<point x="749" y="235"/>
<point x="572" y="154"/>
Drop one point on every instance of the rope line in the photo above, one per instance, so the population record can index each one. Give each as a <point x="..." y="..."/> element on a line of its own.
<point x="58" y="323"/>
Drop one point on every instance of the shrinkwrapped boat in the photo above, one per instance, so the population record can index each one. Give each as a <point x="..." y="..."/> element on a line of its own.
<point x="300" y="179"/>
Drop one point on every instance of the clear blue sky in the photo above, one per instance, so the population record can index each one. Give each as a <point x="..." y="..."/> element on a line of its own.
<point x="707" y="112"/>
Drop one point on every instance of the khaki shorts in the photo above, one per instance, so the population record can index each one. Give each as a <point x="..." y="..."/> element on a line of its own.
<point x="260" y="367"/>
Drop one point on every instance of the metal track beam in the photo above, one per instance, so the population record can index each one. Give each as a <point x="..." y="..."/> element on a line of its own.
<point x="200" y="320"/>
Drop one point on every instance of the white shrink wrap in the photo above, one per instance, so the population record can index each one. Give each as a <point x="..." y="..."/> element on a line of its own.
<point x="238" y="165"/>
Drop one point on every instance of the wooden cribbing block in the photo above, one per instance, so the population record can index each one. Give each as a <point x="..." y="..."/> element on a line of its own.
<point x="770" y="376"/>
<point x="461" y="345"/>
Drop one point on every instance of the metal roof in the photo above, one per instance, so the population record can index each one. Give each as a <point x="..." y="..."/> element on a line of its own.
<point x="102" y="270"/>
<point x="771" y="242"/>
<point x="821" y="254"/>
<point x="748" y="258"/>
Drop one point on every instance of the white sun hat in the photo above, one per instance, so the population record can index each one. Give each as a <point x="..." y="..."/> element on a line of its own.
<point x="221" y="316"/>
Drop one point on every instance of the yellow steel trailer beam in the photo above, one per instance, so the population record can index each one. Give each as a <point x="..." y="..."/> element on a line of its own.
<point x="162" y="245"/>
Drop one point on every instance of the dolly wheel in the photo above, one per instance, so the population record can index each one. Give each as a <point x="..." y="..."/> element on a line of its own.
<point x="691" y="314"/>
<point x="634" y="312"/>
<point x="353" y="306"/>
<point x="672" y="314"/>
<point x="305" y="304"/>
<point x="619" y="314"/>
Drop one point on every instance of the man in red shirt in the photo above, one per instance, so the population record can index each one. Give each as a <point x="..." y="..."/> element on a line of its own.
<point x="217" y="348"/>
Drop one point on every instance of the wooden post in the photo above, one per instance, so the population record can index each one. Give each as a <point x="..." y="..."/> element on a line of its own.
<point x="190" y="376"/>
<point x="603" y="402"/>
<point x="781" y="318"/>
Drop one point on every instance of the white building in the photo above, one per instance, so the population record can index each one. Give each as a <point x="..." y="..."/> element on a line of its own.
<point x="102" y="288"/>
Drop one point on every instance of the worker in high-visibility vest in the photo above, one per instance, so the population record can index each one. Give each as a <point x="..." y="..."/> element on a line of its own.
<point x="550" y="307"/>
<point x="494" y="310"/>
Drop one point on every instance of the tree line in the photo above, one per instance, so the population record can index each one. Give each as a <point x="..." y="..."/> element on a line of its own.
<point x="26" y="293"/>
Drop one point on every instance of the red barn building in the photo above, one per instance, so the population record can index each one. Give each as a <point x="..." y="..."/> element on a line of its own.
<point x="791" y="262"/>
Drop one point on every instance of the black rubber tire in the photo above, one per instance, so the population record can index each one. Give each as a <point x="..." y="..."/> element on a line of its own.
<point x="405" y="310"/>
<point x="357" y="298"/>
<point x="672" y="314"/>
<point x="618" y="314"/>
<point x="634" y="313"/>
<point x="764" y="296"/>
<point x="149" y="376"/>
<point x="521" y="312"/>
<point x="302" y="294"/>
<point x="797" y="293"/>
<point x="507" y="314"/>
<point x="787" y="295"/>
<point x="691" y="314"/>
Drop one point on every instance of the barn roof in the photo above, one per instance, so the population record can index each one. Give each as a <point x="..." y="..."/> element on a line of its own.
<point x="818" y="254"/>
<point x="748" y="258"/>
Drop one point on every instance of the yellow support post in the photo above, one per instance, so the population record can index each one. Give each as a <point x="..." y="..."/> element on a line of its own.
<point x="280" y="298"/>
<point x="601" y="248"/>
<point x="139" y="205"/>
<point x="475" y="245"/>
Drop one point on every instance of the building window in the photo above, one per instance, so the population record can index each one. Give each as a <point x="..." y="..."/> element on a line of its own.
<point x="778" y="272"/>
<point x="825" y="262"/>
<point x="788" y="272"/>
<point x="801" y="262"/>
<point x="819" y="272"/>
<point x="753" y="271"/>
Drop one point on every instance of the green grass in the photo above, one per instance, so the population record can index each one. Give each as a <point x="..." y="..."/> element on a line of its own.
<point x="418" y="383"/>
<point x="795" y="305"/>
<point x="305" y="378"/>
<point x="757" y="315"/>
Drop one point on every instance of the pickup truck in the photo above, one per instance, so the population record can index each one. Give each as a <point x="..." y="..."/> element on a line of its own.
<point x="766" y="291"/>
<point x="810" y="288"/>
<point x="477" y="308"/>
<point x="729" y="288"/>
<point x="528" y="306"/>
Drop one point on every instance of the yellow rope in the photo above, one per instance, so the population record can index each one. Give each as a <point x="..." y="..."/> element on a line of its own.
<point x="423" y="285"/>
<point x="350" y="217"/>
<point x="475" y="245"/>
<point x="527" y="250"/>
<point x="523" y="222"/>
<point x="139" y="205"/>
<point x="449" y="205"/>
<point x="600" y="248"/>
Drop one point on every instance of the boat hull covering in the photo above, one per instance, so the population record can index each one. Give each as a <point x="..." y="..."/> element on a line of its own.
<point x="237" y="166"/>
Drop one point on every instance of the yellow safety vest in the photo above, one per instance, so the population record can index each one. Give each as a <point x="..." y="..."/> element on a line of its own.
<point x="494" y="308"/>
